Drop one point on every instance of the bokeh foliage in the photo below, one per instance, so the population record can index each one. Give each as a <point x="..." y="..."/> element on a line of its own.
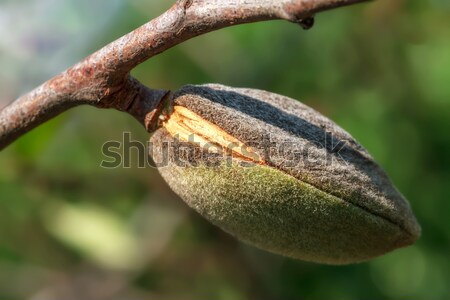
<point x="72" y="230"/>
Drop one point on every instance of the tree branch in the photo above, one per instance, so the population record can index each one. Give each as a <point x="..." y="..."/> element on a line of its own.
<point x="103" y="80"/>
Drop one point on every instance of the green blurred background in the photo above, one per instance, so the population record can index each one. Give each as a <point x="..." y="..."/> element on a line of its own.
<point x="72" y="230"/>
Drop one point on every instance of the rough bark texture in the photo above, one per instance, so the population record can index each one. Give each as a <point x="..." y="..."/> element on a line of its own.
<point x="103" y="80"/>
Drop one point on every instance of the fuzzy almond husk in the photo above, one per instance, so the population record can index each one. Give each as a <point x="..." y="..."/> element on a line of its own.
<point x="302" y="187"/>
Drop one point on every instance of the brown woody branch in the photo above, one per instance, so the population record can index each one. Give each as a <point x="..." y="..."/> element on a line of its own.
<point x="103" y="79"/>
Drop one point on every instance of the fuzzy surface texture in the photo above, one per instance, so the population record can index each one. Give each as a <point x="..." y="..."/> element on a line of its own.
<point x="319" y="196"/>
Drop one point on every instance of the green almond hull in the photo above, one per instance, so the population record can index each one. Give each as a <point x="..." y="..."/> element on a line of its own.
<point x="330" y="206"/>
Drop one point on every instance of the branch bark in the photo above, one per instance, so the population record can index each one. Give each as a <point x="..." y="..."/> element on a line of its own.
<point x="103" y="79"/>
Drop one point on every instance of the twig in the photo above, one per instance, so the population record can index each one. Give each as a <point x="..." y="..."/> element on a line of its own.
<point x="103" y="80"/>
